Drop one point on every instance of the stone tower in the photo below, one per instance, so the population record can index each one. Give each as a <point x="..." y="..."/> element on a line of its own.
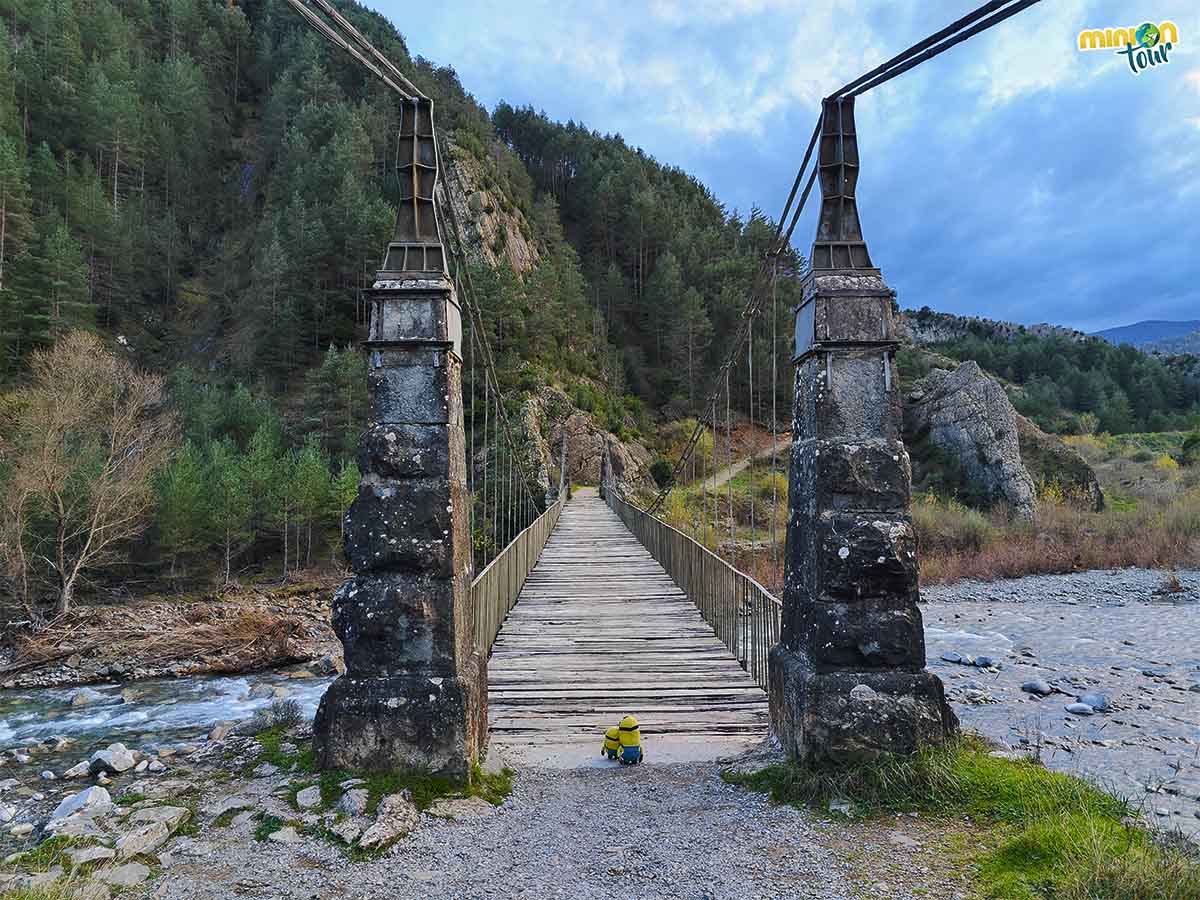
<point x="414" y="695"/>
<point x="848" y="676"/>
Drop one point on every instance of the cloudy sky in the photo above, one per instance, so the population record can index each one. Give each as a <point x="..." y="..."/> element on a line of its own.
<point x="1012" y="177"/>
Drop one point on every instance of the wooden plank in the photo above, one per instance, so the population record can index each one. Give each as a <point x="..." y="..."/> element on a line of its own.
<point x="601" y="630"/>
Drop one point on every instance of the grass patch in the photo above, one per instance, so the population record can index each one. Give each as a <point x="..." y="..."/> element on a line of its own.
<point x="129" y="798"/>
<point x="425" y="789"/>
<point x="272" y="741"/>
<point x="48" y="854"/>
<point x="267" y="826"/>
<point x="1060" y="837"/>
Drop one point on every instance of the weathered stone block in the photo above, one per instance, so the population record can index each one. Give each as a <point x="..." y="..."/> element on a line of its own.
<point x="841" y="717"/>
<point x="406" y="451"/>
<point x="409" y="394"/>
<point x="850" y="395"/>
<point x="431" y="317"/>
<point x="406" y="525"/>
<point x="862" y="635"/>
<point x="392" y="624"/>
<point x="414" y="722"/>
<point x="866" y="555"/>
<point x="873" y="474"/>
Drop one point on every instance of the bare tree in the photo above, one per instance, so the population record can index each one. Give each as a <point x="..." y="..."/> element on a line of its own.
<point x="87" y="436"/>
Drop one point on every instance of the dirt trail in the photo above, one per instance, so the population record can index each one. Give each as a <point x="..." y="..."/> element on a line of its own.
<point x="721" y="476"/>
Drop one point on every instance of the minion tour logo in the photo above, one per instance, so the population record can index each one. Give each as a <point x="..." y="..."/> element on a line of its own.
<point x="1144" y="47"/>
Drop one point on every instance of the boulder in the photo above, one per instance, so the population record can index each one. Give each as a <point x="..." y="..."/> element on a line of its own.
<point x="353" y="802"/>
<point x="113" y="760"/>
<point x="396" y="817"/>
<point x="142" y="839"/>
<point x="93" y="801"/>
<point x="79" y="770"/>
<point x="127" y="875"/>
<point x="968" y="416"/>
<point x="349" y="829"/>
<point x="171" y="816"/>
<point x="81" y="855"/>
<point x="309" y="797"/>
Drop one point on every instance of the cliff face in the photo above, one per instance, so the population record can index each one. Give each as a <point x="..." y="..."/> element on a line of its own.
<point x="496" y="231"/>
<point x="549" y="417"/>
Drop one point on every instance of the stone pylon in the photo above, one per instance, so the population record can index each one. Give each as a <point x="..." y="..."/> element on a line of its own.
<point x="848" y="677"/>
<point x="414" y="695"/>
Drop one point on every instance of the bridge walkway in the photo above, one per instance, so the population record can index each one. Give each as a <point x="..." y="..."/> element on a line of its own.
<point x="601" y="630"/>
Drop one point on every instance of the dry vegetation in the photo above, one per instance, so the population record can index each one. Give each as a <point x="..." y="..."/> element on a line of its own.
<point x="1151" y="519"/>
<point x="232" y="631"/>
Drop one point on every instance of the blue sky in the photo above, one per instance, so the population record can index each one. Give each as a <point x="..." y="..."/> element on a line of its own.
<point x="1012" y="177"/>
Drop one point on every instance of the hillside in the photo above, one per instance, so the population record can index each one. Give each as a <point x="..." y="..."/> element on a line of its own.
<point x="1064" y="380"/>
<point x="1156" y="334"/>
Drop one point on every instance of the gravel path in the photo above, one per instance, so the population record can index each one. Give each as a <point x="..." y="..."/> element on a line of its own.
<point x="1110" y="632"/>
<point x="669" y="831"/>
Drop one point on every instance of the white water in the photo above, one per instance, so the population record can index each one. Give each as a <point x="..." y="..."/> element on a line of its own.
<point x="161" y="712"/>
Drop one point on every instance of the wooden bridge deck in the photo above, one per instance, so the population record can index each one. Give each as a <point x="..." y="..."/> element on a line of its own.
<point x="601" y="630"/>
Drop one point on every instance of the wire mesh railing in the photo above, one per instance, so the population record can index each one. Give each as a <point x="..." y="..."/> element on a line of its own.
<point x="744" y="615"/>
<point x="495" y="590"/>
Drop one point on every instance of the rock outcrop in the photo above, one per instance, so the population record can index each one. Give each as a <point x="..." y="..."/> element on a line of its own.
<point x="497" y="232"/>
<point x="1051" y="461"/>
<point x="924" y="326"/>
<point x="968" y="415"/>
<point x="548" y="416"/>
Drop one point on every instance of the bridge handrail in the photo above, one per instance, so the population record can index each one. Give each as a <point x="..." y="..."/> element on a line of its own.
<point x="743" y="613"/>
<point x="495" y="590"/>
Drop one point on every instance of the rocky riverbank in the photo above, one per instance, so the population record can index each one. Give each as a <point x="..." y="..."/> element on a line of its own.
<point x="241" y="815"/>
<point x="1016" y="654"/>
<point x="241" y="629"/>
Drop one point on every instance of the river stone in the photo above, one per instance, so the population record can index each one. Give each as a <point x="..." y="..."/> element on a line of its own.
<point x="127" y="875"/>
<point x="349" y="829"/>
<point x="395" y="818"/>
<point x="228" y="804"/>
<point x="79" y="770"/>
<point x="86" y="696"/>
<point x="7" y="813"/>
<point x="8" y="784"/>
<point x="155" y="766"/>
<point x="144" y="839"/>
<point x="21" y="830"/>
<point x="1080" y="709"/>
<point x="220" y="732"/>
<point x="47" y="775"/>
<point x="1037" y="686"/>
<point x="353" y="802"/>
<point x="171" y="816"/>
<point x="309" y="797"/>
<point x="91" y="801"/>
<point x="114" y="760"/>
<point x="285" y="835"/>
<point x="81" y="855"/>
<point x="1098" y="702"/>
<point x="261" y="691"/>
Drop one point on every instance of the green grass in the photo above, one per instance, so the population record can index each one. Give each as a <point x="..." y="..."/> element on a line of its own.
<point x="272" y="740"/>
<point x="1058" y="836"/>
<point x="425" y="789"/>
<point x="267" y="826"/>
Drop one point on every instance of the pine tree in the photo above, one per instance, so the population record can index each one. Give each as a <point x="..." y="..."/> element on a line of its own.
<point x="231" y="507"/>
<point x="182" y="513"/>
<point x="313" y="486"/>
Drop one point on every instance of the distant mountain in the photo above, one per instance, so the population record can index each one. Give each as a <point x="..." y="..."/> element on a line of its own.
<point x="1156" y="334"/>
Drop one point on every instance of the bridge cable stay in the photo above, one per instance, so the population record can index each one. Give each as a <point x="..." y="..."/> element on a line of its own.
<point x="973" y="23"/>
<point x="509" y="503"/>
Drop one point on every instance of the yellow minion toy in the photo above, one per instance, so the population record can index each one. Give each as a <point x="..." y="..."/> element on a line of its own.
<point x="612" y="743"/>
<point x="630" y="739"/>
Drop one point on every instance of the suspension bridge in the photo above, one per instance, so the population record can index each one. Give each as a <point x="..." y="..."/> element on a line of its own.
<point x="484" y="605"/>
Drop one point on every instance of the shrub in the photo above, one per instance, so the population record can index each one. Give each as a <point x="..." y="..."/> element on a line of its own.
<point x="662" y="472"/>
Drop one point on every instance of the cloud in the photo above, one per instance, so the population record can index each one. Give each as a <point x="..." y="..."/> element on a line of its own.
<point x="1012" y="176"/>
